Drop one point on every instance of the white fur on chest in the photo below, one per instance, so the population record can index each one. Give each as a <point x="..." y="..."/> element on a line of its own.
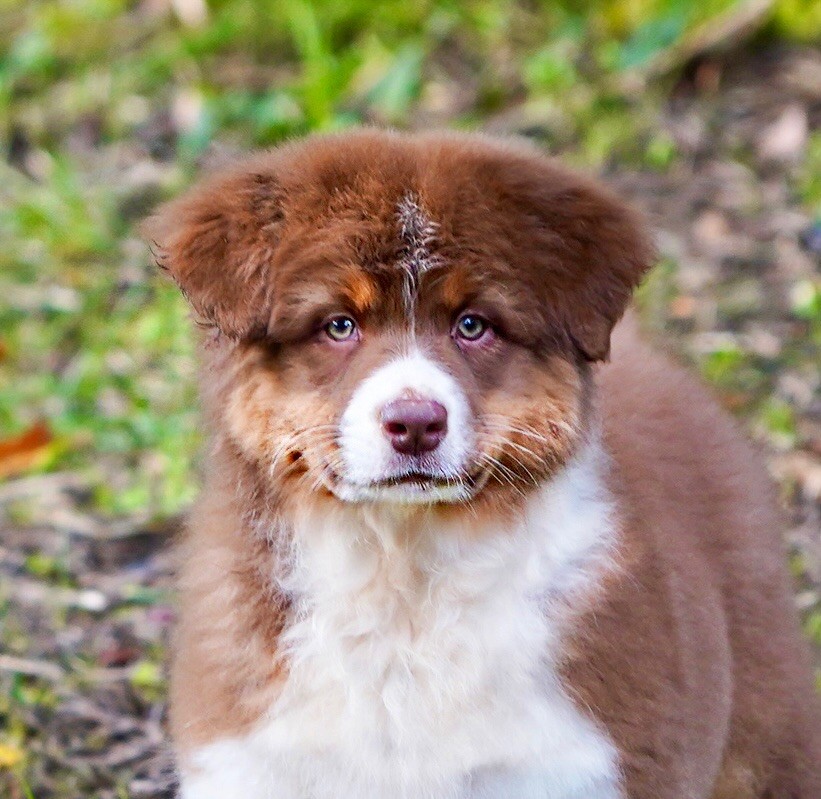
<point x="421" y="661"/>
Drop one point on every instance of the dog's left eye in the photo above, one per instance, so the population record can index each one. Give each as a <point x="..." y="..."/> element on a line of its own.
<point x="471" y="327"/>
<point x="341" y="328"/>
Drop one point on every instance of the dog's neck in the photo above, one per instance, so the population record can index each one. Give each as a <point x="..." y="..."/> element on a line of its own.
<point x="554" y="538"/>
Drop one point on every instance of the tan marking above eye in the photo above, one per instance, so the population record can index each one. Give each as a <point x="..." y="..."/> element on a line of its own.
<point x="455" y="288"/>
<point x="361" y="292"/>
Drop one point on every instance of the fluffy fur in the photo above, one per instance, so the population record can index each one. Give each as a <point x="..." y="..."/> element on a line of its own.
<point x="579" y="593"/>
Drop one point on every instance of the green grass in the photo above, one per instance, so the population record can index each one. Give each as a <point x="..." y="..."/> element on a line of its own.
<point x="94" y="342"/>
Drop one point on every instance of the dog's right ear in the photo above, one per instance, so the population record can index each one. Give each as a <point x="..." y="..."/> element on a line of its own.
<point x="217" y="243"/>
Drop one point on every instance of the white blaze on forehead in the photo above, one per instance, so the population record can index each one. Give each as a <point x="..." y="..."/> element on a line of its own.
<point x="417" y="231"/>
<point x="367" y="454"/>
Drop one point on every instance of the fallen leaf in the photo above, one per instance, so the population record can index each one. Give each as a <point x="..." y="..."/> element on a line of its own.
<point x="683" y="307"/>
<point x="118" y="656"/>
<point x="734" y="401"/>
<point x="23" y="452"/>
<point x="10" y="756"/>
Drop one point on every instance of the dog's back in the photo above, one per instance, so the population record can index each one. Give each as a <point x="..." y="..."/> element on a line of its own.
<point x="707" y="685"/>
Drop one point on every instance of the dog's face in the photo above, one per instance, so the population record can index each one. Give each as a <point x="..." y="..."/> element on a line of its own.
<point x="400" y="319"/>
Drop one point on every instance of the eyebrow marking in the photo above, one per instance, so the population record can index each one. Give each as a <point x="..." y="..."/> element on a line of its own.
<point x="417" y="231"/>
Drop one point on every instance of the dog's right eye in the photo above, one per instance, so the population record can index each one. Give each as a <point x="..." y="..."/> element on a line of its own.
<point x="341" y="328"/>
<point x="471" y="327"/>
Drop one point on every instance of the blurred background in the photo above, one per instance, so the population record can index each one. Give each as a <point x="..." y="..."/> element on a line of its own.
<point x="705" y="114"/>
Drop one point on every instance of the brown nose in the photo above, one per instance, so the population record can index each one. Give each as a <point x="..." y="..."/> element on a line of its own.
<point x="414" y="426"/>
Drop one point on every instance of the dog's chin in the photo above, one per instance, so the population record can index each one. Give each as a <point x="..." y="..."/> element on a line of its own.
<point x="410" y="489"/>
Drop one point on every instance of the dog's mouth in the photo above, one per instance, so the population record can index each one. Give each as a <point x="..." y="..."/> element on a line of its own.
<point x="416" y="478"/>
<point x="415" y="486"/>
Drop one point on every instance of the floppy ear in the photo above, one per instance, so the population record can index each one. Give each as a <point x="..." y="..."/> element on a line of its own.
<point x="217" y="242"/>
<point x="591" y="251"/>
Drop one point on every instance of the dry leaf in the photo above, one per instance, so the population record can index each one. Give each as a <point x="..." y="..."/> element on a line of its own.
<point x="23" y="452"/>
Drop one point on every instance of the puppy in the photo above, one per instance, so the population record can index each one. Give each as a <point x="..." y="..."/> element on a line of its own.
<point x="441" y="551"/>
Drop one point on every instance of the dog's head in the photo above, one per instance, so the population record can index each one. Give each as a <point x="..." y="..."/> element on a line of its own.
<point x="402" y="319"/>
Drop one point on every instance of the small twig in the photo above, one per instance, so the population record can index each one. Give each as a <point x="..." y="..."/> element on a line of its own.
<point x="37" y="485"/>
<point x="32" y="668"/>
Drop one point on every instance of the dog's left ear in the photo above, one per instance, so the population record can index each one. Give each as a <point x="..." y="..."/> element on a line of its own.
<point x="588" y="251"/>
<point x="217" y="243"/>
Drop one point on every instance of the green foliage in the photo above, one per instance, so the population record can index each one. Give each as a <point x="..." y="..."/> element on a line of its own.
<point x="147" y="676"/>
<point x="651" y="36"/>
<point x="95" y="343"/>
<point x="809" y="185"/>
<point x="778" y="419"/>
<point x="48" y="568"/>
<point x="798" y="19"/>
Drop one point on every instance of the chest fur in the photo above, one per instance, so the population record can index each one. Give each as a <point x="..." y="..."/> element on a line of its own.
<point x="421" y="662"/>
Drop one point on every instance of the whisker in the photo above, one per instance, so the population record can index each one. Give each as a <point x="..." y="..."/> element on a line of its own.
<point x="506" y="425"/>
<point x="501" y="473"/>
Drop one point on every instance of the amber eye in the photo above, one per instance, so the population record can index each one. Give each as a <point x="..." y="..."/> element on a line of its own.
<point x="341" y="328"/>
<point x="471" y="327"/>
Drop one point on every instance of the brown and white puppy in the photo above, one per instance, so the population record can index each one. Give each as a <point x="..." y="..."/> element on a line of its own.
<point x="440" y="552"/>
